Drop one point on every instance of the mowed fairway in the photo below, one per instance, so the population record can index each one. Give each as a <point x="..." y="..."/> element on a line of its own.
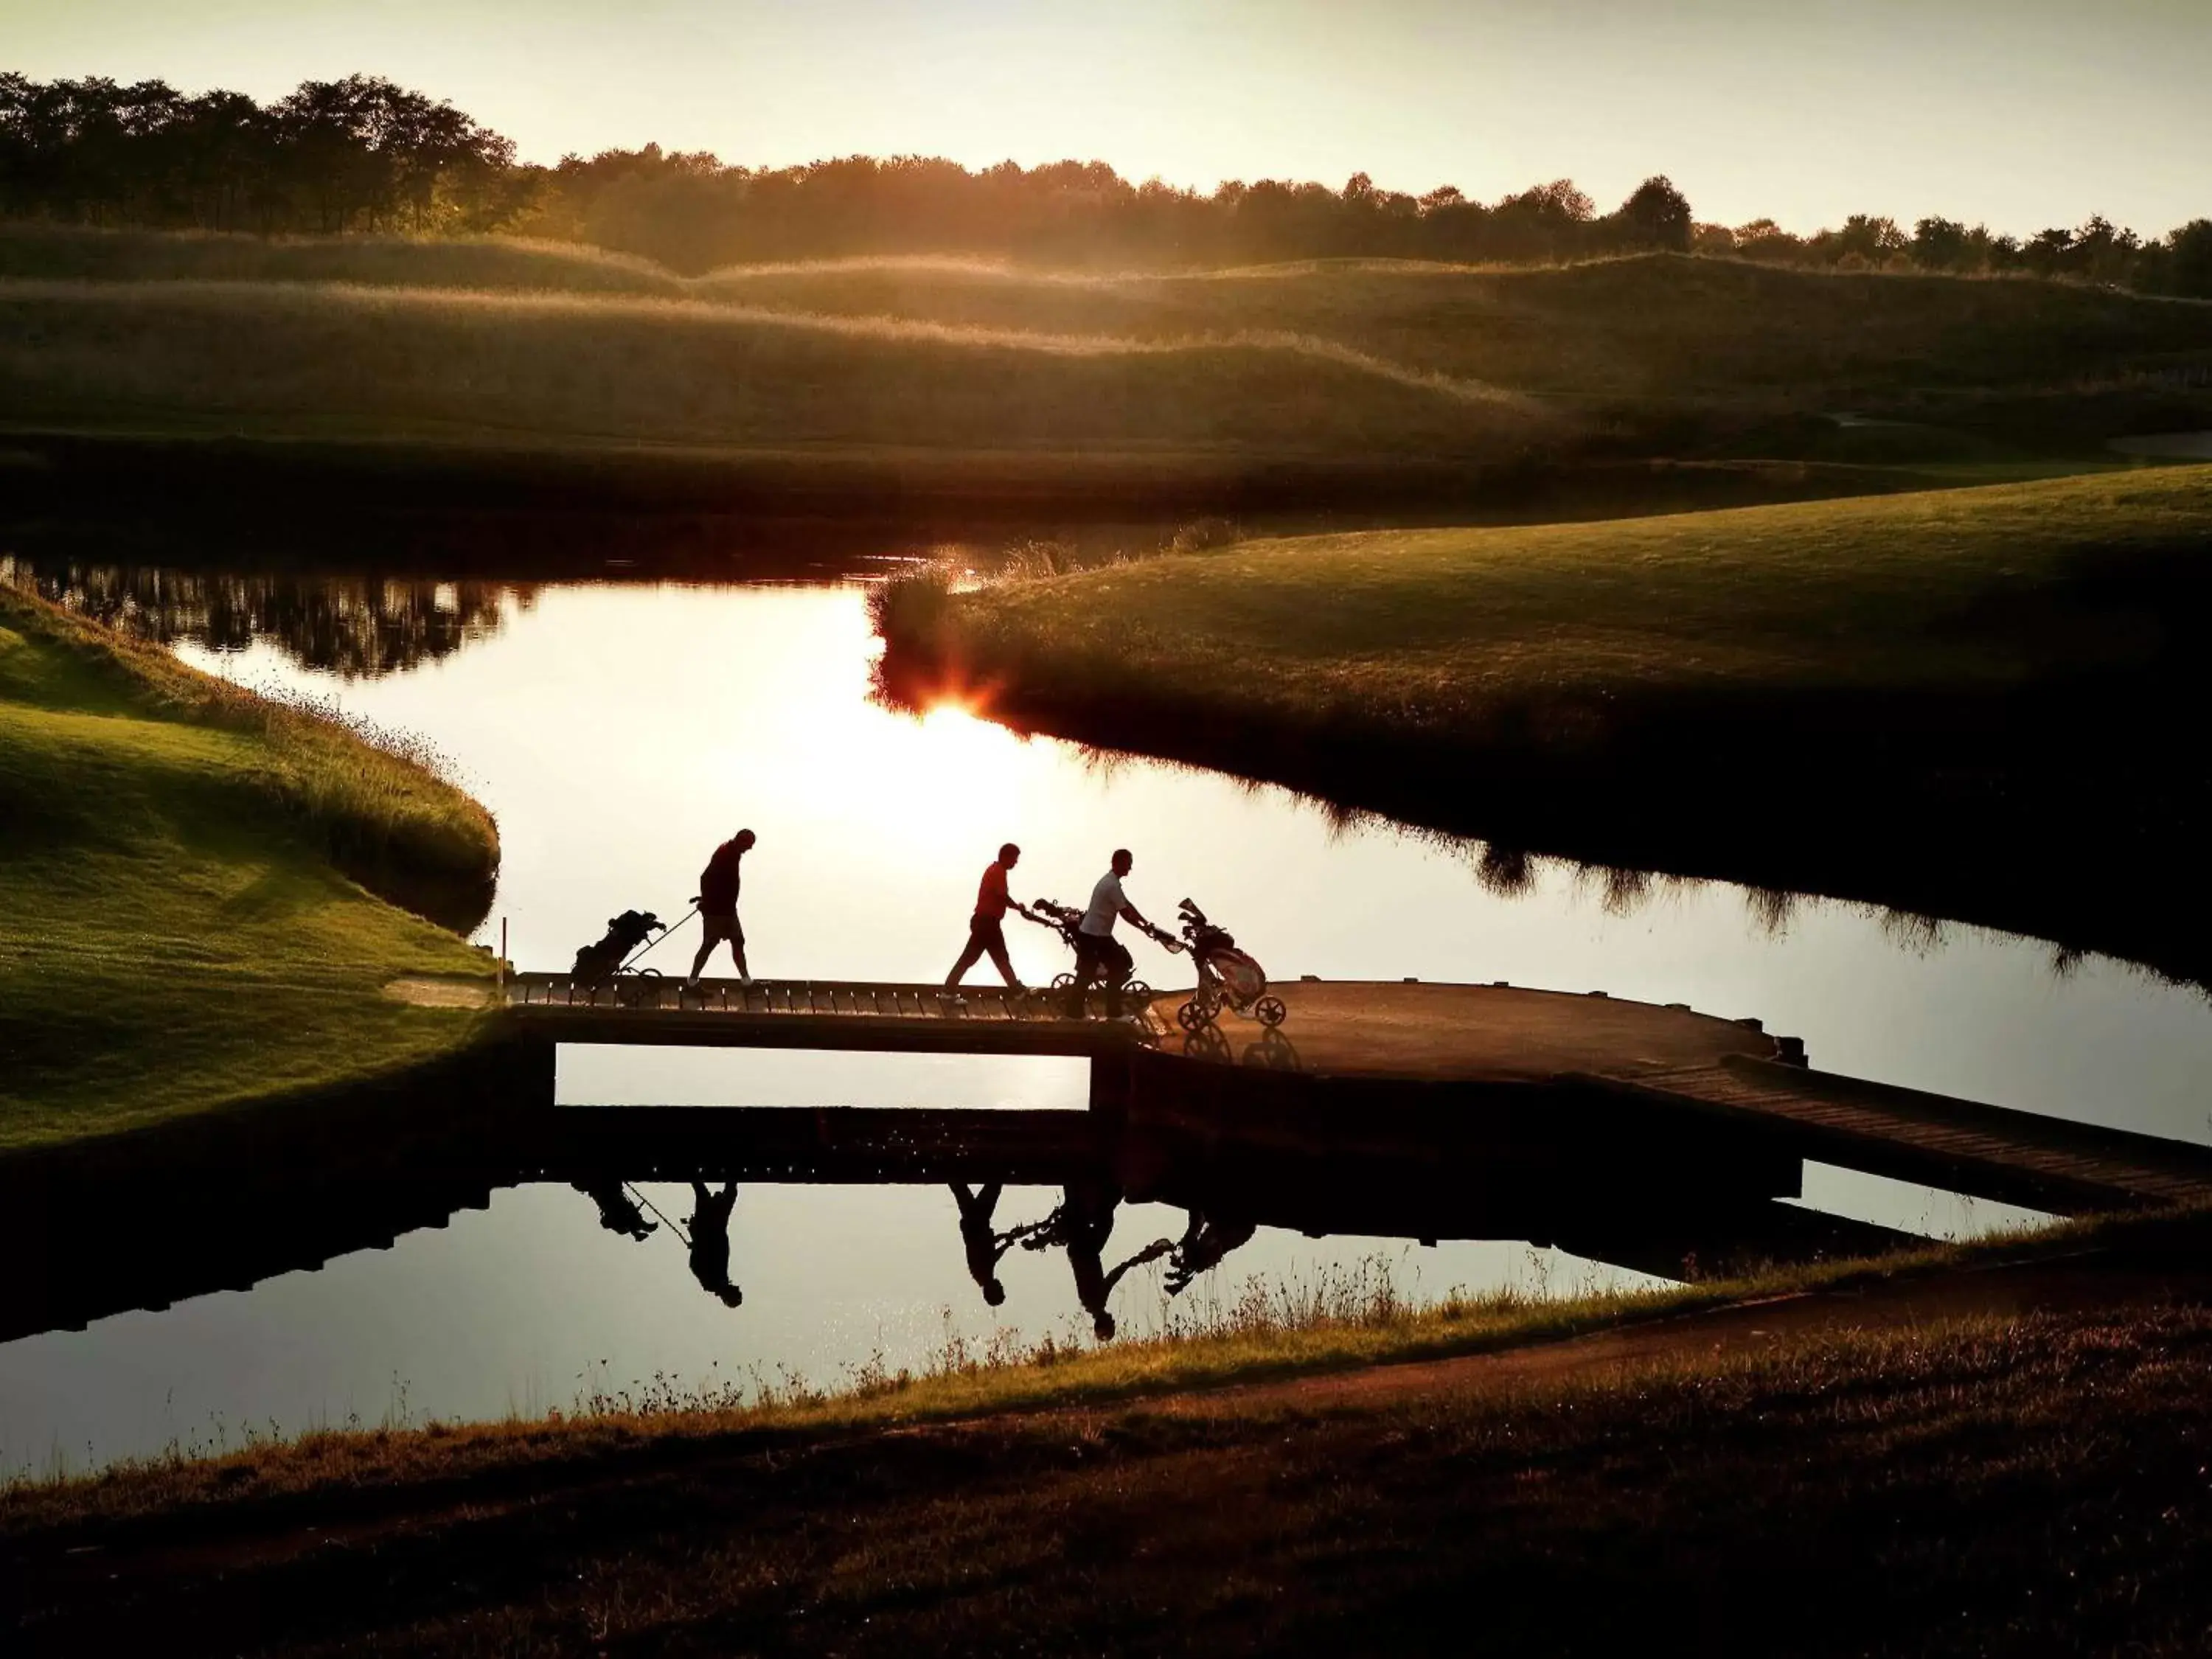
<point x="1958" y="703"/>
<point x="1442" y="632"/>
<point x="179" y="935"/>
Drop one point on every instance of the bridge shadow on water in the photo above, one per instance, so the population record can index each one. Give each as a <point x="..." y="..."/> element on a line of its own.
<point x="89" y="1239"/>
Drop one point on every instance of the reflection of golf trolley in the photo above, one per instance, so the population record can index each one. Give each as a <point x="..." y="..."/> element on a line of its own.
<point x="1067" y="921"/>
<point x="1225" y="975"/>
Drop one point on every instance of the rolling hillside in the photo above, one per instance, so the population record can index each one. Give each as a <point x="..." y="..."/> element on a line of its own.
<point x="520" y="343"/>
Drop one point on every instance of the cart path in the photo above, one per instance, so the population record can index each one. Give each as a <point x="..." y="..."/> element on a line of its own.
<point x="1484" y="1033"/>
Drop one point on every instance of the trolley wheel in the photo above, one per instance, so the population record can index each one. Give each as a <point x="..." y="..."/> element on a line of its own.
<point x="1138" y="992"/>
<point x="1063" y="982"/>
<point x="1270" y="1012"/>
<point x="1190" y="1016"/>
<point x="646" y="973"/>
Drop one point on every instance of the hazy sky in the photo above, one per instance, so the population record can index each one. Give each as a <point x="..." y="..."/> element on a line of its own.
<point x="2021" y="112"/>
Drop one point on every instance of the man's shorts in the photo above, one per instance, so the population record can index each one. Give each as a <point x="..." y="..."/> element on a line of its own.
<point x="723" y="928"/>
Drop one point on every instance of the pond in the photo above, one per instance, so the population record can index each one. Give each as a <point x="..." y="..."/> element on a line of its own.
<point x="620" y="730"/>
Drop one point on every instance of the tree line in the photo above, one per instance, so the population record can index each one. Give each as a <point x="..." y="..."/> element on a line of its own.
<point x="362" y="154"/>
<point x="333" y="156"/>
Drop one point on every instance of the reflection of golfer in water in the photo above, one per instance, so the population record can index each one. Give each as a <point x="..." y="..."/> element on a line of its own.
<point x="1084" y="1222"/>
<point x="987" y="930"/>
<point x="618" y="1210"/>
<point x="709" y="1227"/>
<point x="984" y="1247"/>
<point x="1204" y="1243"/>
<point x="717" y="905"/>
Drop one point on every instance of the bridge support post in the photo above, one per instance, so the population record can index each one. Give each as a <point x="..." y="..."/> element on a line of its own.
<point x="1111" y="1081"/>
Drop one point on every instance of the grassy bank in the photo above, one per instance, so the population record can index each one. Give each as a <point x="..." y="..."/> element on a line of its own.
<point x="1825" y="1461"/>
<point x="1954" y="702"/>
<point x="190" y="876"/>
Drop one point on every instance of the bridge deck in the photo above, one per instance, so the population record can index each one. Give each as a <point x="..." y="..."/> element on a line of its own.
<point x="2012" y="1156"/>
<point x="1339" y="1028"/>
<point x="1395" y="1033"/>
<point x="841" y="1014"/>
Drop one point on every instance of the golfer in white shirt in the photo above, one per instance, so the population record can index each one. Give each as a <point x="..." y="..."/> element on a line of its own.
<point x="1099" y="956"/>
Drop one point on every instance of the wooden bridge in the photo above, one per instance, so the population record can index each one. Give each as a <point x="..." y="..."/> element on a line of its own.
<point x="858" y="1014"/>
<point x="1498" y="1077"/>
<point x="1621" y="1131"/>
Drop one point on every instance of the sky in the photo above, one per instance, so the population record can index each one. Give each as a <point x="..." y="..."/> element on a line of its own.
<point x="2020" y="113"/>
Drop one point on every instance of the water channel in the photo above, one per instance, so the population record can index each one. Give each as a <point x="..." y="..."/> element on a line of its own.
<point x="619" y="730"/>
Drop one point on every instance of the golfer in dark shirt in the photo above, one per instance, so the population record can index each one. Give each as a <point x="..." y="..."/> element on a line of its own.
<point x="717" y="905"/>
<point x="987" y="931"/>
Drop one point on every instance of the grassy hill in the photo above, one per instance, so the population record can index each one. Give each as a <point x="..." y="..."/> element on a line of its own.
<point x="1979" y="703"/>
<point x="526" y="343"/>
<point x="293" y="359"/>
<point x="1652" y="325"/>
<point x="47" y="252"/>
<point x="182" y="932"/>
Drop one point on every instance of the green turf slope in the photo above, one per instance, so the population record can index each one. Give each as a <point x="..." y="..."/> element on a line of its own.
<point x="1439" y="630"/>
<point x="1977" y="704"/>
<point x="175" y="932"/>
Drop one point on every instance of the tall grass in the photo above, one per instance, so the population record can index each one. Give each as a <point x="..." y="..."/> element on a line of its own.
<point x="65" y="251"/>
<point x="1649" y="326"/>
<point x="360" y="362"/>
<point x="1348" y="360"/>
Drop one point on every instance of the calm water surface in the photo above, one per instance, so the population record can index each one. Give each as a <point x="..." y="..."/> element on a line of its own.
<point x="619" y="731"/>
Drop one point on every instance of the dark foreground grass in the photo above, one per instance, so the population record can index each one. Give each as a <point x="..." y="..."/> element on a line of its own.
<point x="1972" y="1485"/>
<point x="1969" y="703"/>
<point x="186" y="871"/>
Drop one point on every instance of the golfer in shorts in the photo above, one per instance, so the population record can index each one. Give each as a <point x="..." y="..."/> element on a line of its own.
<point x="718" y="907"/>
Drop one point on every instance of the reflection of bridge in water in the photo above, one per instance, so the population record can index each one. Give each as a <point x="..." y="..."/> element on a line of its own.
<point x="1651" y="1137"/>
<point x="1507" y="1082"/>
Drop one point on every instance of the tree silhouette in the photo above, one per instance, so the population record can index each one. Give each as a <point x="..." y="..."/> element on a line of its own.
<point x="1655" y="216"/>
<point x="364" y="155"/>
